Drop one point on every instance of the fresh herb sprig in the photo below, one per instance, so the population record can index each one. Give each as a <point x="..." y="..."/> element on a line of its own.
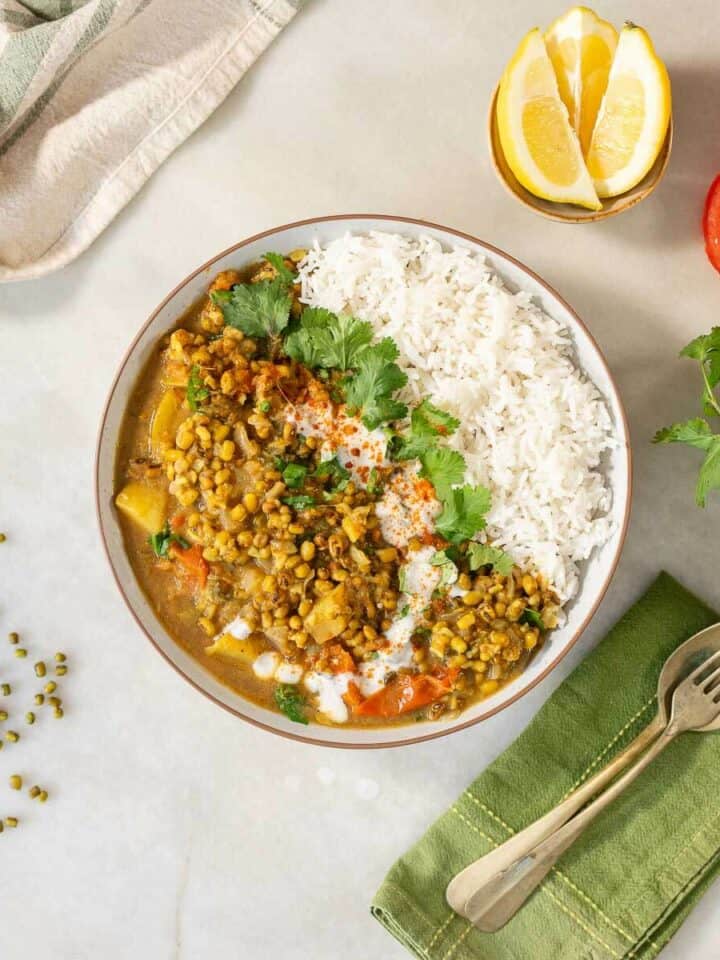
<point x="369" y="391"/>
<point x="257" y="309"/>
<point x="160" y="542"/>
<point x="291" y="702"/>
<point x="340" y="477"/>
<point x="448" y="568"/>
<point x="482" y="555"/>
<point x="294" y="475"/>
<point x="328" y="340"/>
<point x="277" y="260"/>
<point x="698" y="432"/>
<point x="533" y="618"/>
<point x="464" y="507"/>
<point x="260" y="309"/>
<point x="196" y="390"/>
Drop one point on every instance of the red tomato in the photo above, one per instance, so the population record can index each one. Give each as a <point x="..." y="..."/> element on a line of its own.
<point x="711" y="223"/>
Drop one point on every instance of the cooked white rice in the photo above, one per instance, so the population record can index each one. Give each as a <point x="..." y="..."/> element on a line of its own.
<point x="534" y="428"/>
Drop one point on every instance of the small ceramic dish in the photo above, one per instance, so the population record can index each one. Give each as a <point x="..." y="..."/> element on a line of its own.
<point x="596" y="572"/>
<point x="566" y="212"/>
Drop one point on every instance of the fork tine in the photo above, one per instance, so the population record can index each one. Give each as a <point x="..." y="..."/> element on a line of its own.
<point x="709" y="682"/>
<point x="698" y="671"/>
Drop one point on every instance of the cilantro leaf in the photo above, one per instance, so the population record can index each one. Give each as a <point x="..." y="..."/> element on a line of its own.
<point x="300" y="344"/>
<point x="703" y="347"/>
<point x="290" y="702"/>
<point x="341" y="342"/>
<point x="482" y="554"/>
<point x="324" y="339"/>
<point x="427" y="422"/>
<point x="369" y="390"/>
<point x="374" y="484"/>
<point x="258" y="309"/>
<point x="334" y="469"/>
<point x="196" y="390"/>
<point x="443" y="468"/>
<point x="300" y="502"/>
<point x="706" y="350"/>
<point x="284" y="273"/>
<point x="448" y="570"/>
<point x="294" y="475"/>
<point x="160" y="542"/>
<point x="696" y="433"/>
<point x="463" y="514"/>
<point x="533" y="618"/>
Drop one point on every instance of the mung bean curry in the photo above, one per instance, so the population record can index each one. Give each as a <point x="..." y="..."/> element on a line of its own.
<point x="303" y="534"/>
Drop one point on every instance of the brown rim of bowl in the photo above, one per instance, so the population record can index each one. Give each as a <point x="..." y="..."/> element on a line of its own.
<point x="463" y="236"/>
<point x="556" y="211"/>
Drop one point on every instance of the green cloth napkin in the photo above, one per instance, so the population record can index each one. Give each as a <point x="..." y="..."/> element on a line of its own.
<point x="625" y="887"/>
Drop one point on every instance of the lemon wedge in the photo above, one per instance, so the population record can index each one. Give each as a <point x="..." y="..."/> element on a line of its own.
<point x="633" y="117"/>
<point x="537" y="139"/>
<point x="581" y="47"/>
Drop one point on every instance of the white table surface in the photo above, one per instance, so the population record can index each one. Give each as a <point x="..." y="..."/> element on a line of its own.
<point x="174" y="830"/>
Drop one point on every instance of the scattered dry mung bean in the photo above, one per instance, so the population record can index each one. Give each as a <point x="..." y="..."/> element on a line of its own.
<point x="3" y="714"/>
<point x="58" y="713"/>
<point x="5" y="689"/>
<point x="2" y="826"/>
<point x="15" y="782"/>
<point x="54" y="701"/>
<point x="60" y="657"/>
<point x="40" y="670"/>
<point x="42" y="796"/>
<point x="60" y="670"/>
<point x="39" y="699"/>
<point x="50" y="687"/>
<point x="13" y="637"/>
<point x="34" y="792"/>
<point x="3" y="538"/>
<point x="21" y="652"/>
<point x="30" y="717"/>
<point x="12" y="735"/>
<point x="11" y="821"/>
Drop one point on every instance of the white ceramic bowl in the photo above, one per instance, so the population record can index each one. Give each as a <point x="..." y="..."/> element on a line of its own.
<point x="596" y="573"/>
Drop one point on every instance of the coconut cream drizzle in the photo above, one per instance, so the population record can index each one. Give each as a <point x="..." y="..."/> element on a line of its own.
<point x="406" y="512"/>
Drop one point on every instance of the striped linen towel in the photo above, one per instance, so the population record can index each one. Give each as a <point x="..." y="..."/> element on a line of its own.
<point x="94" y="95"/>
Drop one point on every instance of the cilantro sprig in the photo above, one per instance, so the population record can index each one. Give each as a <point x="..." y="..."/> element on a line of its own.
<point x="328" y="340"/>
<point x="463" y="513"/>
<point x="698" y="432"/>
<point x="160" y="542"/>
<point x="196" y="390"/>
<point x="290" y="702"/>
<point x="448" y="568"/>
<point x="277" y="260"/>
<point x="293" y="475"/>
<point x="533" y="618"/>
<point x="427" y="423"/>
<point x="369" y="390"/>
<point x="482" y="555"/>
<point x="257" y="309"/>
<point x="340" y="477"/>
